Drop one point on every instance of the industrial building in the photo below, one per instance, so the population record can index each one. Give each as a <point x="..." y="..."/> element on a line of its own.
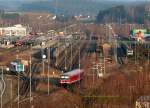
<point x="16" y="30"/>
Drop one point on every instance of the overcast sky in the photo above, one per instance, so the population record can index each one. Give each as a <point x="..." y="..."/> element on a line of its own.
<point x="85" y="0"/>
<point x="82" y="0"/>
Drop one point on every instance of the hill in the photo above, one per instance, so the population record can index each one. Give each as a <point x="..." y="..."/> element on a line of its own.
<point x="69" y="7"/>
<point x="122" y="14"/>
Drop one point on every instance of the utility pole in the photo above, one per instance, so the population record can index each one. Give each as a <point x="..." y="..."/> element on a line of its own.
<point x="94" y="68"/>
<point x="79" y="59"/>
<point x="48" y="53"/>
<point x="18" y="88"/>
<point x="71" y="57"/>
<point x="3" y="86"/>
<point x="148" y="54"/>
<point x="102" y="65"/>
<point x="30" y="75"/>
<point x="115" y="43"/>
<point x="43" y="57"/>
<point x="56" y="51"/>
<point x="65" y="55"/>
<point x="135" y="52"/>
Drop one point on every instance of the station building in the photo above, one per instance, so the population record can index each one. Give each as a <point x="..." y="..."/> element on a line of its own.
<point x="16" y="30"/>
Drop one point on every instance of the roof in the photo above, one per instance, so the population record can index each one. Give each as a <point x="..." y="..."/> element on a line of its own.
<point x="144" y="99"/>
<point x="74" y="72"/>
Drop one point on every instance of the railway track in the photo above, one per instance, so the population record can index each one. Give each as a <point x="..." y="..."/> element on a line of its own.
<point x="66" y="63"/>
<point x="62" y="58"/>
<point x="78" y="87"/>
<point x="7" y="56"/>
<point x="25" y="85"/>
<point x="14" y="49"/>
<point x="76" y="57"/>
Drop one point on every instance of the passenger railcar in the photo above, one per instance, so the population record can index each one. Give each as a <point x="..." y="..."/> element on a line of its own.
<point x="72" y="76"/>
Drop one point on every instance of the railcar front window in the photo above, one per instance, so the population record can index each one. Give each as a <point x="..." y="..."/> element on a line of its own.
<point x="64" y="77"/>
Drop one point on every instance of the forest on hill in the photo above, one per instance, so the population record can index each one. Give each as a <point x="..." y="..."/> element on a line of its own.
<point x="122" y="14"/>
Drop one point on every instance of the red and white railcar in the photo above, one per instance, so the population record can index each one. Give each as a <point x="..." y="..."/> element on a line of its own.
<point x="72" y="76"/>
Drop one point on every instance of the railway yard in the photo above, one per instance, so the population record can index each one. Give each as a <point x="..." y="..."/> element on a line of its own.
<point x="112" y="78"/>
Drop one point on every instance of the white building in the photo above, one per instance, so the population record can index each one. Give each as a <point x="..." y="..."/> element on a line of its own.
<point x="16" y="30"/>
<point x="143" y="102"/>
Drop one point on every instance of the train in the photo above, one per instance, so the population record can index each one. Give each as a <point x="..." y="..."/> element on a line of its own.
<point x="72" y="76"/>
<point x="18" y="65"/>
